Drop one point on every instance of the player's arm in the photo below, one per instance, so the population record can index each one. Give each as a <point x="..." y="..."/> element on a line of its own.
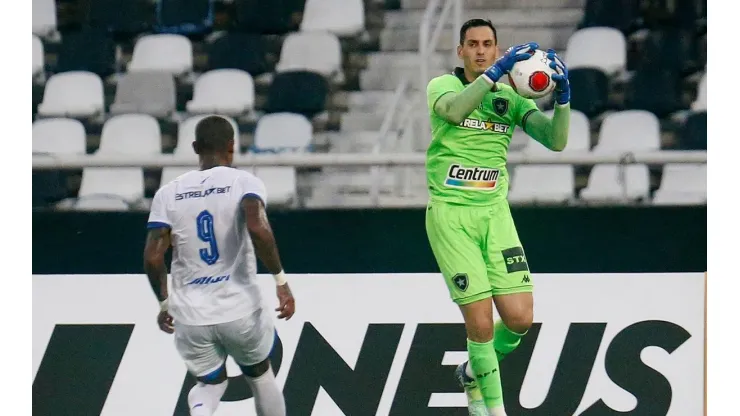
<point x="157" y="244"/>
<point x="259" y="229"/>
<point x="455" y="106"/>
<point x="552" y="132"/>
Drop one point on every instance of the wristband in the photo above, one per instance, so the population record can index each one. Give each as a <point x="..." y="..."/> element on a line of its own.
<point x="280" y="278"/>
<point x="163" y="305"/>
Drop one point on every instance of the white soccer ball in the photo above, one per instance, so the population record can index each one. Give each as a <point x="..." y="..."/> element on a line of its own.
<point x="532" y="78"/>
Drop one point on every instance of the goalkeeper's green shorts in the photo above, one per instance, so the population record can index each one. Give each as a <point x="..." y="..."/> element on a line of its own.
<point x="478" y="250"/>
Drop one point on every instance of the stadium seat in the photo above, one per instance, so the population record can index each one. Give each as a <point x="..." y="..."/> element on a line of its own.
<point x="89" y="50"/>
<point x="603" y="48"/>
<point x="239" y="51"/>
<point x="682" y="184"/>
<point x="223" y="91"/>
<point x="280" y="183"/>
<point x="184" y="17"/>
<point x="614" y="183"/>
<point x="700" y="104"/>
<point x="44" y="17"/>
<point x="629" y="131"/>
<point x="579" y="135"/>
<point x="58" y="135"/>
<point x="592" y="86"/>
<point x="150" y="93"/>
<point x="125" y="18"/>
<point x="313" y="51"/>
<point x="37" y="56"/>
<point x="282" y="131"/>
<point x="274" y="17"/>
<point x="300" y="92"/>
<point x="693" y="135"/>
<point x="101" y="203"/>
<point x="545" y="184"/>
<point x="657" y="92"/>
<point x="131" y="134"/>
<point x="72" y="94"/>
<point x="619" y="14"/>
<point x="341" y="17"/>
<point x="163" y="52"/>
<point x="669" y="50"/>
<point x="126" y="184"/>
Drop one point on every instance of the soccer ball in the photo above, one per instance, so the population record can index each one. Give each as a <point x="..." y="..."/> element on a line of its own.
<point x="531" y="78"/>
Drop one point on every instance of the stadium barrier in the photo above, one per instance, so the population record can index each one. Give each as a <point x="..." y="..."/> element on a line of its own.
<point x="383" y="344"/>
<point x="300" y="159"/>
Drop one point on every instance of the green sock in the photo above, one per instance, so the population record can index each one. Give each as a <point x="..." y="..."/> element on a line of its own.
<point x="484" y="364"/>
<point x="504" y="340"/>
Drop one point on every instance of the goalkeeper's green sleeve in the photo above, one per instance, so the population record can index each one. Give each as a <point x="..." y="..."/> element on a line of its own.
<point x="455" y="106"/>
<point x="552" y="133"/>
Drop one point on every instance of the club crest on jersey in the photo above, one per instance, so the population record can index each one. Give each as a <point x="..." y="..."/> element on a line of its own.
<point x="500" y="105"/>
<point x="461" y="281"/>
<point x="473" y="123"/>
<point x="476" y="178"/>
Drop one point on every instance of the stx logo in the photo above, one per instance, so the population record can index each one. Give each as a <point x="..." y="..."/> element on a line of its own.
<point x="357" y="392"/>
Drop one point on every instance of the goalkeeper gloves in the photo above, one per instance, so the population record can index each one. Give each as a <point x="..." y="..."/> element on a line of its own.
<point x="562" y="86"/>
<point x="505" y="63"/>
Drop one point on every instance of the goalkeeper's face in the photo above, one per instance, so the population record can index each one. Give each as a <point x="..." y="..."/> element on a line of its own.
<point x="479" y="50"/>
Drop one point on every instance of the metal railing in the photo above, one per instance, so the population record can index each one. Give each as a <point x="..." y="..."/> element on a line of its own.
<point x="429" y="36"/>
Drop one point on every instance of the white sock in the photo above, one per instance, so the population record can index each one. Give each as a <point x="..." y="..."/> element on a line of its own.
<point x="268" y="399"/>
<point x="203" y="399"/>
<point x="497" y="411"/>
<point x="469" y="371"/>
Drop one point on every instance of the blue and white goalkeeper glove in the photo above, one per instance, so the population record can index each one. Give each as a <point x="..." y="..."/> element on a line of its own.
<point x="562" y="85"/>
<point x="505" y="63"/>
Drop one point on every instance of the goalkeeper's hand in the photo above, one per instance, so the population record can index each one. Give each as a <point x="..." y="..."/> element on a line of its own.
<point x="505" y="63"/>
<point x="562" y="85"/>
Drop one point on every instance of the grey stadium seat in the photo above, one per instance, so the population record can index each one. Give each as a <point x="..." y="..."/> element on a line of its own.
<point x="145" y="92"/>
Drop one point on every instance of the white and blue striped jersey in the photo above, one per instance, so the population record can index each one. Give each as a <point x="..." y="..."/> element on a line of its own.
<point x="213" y="261"/>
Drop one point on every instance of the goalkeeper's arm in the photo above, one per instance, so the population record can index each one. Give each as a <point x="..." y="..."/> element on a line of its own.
<point x="551" y="132"/>
<point x="455" y="106"/>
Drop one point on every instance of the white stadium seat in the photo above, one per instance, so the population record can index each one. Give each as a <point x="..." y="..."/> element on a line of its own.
<point x="59" y="135"/>
<point x="311" y="51"/>
<point x="701" y="97"/>
<point x="100" y="203"/>
<point x="614" y="183"/>
<point x="280" y="183"/>
<point x="682" y="184"/>
<point x="542" y="184"/>
<point x="223" y="91"/>
<point x="151" y="92"/>
<point x="164" y="52"/>
<point x="74" y="94"/>
<point x="131" y="134"/>
<point x="283" y="130"/>
<point x="629" y="131"/>
<point x="44" y="17"/>
<point x="579" y="136"/>
<point x="126" y="184"/>
<point x="37" y="56"/>
<point x="602" y="48"/>
<point x="341" y="17"/>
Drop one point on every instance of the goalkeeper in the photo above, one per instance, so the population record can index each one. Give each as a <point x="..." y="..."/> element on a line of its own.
<point x="468" y="222"/>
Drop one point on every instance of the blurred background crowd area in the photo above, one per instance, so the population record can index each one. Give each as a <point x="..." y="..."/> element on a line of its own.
<point x="133" y="77"/>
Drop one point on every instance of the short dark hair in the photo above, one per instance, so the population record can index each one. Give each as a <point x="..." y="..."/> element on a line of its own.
<point x="477" y="23"/>
<point x="213" y="134"/>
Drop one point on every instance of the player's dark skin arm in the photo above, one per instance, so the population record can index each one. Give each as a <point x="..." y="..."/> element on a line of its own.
<point x="551" y="132"/>
<point x="455" y="106"/>
<point x="157" y="244"/>
<point x="266" y="249"/>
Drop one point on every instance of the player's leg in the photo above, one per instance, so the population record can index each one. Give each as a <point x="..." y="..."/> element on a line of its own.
<point x="454" y="236"/>
<point x="508" y="272"/>
<point x="204" y="359"/>
<point x="249" y="341"/>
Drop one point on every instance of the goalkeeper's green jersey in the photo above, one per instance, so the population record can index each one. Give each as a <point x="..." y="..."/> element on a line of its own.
<point x="466" y="163"/>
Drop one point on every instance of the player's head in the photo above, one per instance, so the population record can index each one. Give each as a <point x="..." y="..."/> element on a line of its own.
<point x="214" y="137"/>
<point x="478" y="45"/>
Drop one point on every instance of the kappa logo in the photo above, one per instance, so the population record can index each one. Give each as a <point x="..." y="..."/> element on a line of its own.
<point x="461" y="281"/>
<point x="526" y="279"/>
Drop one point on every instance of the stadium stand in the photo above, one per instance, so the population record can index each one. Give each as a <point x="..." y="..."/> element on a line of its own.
<point x="637" y="70"/>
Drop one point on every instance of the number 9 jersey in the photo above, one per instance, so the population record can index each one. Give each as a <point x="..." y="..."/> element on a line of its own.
<point x="213" y="261"/>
